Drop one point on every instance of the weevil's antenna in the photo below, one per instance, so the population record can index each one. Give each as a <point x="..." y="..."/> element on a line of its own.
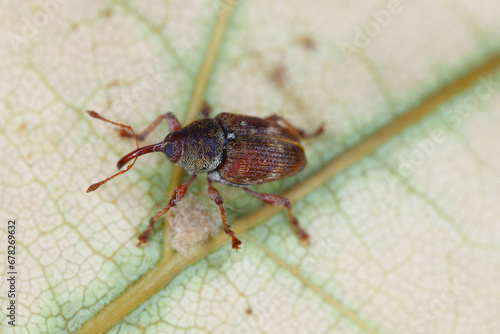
<point x="98" y="184"/>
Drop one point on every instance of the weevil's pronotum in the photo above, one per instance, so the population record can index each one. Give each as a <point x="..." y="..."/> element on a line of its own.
<point x="232" y="149"/>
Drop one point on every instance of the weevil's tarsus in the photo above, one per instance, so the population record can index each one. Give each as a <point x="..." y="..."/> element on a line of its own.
<point x="215" y="196"/>
<point x="95" y="186"/>
<point x="173" y="125"/>
<point x="280" y="200"/>
<point x="178" y="194"/>
<point x="140" y="151"/>
<point x="302" y="133"/>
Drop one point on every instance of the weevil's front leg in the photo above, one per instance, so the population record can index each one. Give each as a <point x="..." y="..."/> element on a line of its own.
<point x="279" y="200"/>
<point x="178" y="194"/>
<point x="302" y="133"/>
<point x="215" y="196"/>
<point x="173" y="124"/>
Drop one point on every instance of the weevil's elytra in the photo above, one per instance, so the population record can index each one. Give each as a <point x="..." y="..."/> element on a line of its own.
<point x="261" y="152"/>
<point x="235" y="150"/>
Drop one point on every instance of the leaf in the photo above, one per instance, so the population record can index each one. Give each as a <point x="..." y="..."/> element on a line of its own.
<point x="400" y="194"/>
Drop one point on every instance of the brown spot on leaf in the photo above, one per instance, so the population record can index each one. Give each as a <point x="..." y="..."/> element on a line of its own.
<point x="278" y="74"/>
<point x="112" y="83"/>
<point x="307" y="42"/>
<point x="107" y="13"/>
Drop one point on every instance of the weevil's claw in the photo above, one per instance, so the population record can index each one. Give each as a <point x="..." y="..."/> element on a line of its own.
<point x="236" y="244"/>
<point x="236" y="241"/>
<point x="319" y="131"/>
<point x="143" y="238"/>
<point x="304" y="237"/>
<point x="316" y="133"/>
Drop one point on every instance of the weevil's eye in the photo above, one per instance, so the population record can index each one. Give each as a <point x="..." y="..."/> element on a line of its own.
<point x="169" y="150"/>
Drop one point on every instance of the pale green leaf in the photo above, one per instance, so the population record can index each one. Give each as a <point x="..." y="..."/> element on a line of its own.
<point x="404" y="224"/>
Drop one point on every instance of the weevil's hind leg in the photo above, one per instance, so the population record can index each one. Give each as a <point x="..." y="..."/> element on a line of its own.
<point x="173" y="124"/>
<point x="302" y="133"/>
<point x="215" y="196"/>
<point x="205" y="110"/>
<point x="280" y="200"/>
<point x="178" y="194"/>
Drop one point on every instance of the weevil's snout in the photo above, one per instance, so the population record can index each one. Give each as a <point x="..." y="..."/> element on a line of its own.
<point x="140" y="151"/>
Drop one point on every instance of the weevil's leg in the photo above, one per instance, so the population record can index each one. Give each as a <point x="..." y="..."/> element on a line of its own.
<point x="205" y="110"/>
<point x="178" y="194"/>
<point x="302" y="133"/>
<point x="279" y="200"/>
<point x="215" y="196"/>
<point x="173" y="124"/>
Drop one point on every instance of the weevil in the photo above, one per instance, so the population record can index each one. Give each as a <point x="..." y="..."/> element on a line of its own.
<point x="232" y="149"/>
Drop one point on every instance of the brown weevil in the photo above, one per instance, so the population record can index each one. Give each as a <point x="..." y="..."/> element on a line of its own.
<point x="232" y="149"/>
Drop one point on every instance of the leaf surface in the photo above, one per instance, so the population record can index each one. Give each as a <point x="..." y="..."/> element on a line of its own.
<point x="399" y="197"/>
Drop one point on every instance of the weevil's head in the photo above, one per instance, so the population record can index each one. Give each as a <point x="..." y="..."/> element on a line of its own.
<point x="197" y="147"/>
